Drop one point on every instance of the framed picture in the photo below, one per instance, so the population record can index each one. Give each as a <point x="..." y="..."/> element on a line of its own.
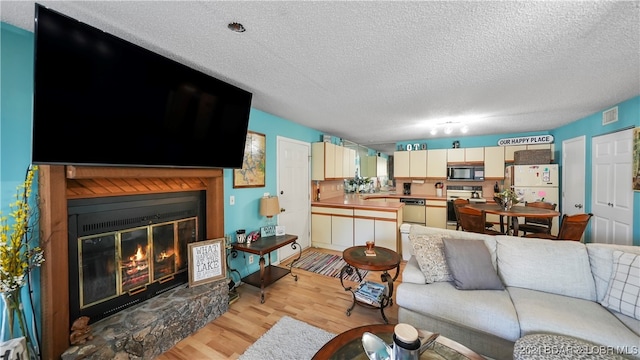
<point x="207" y="262"/>
<point x="268" y="231"/>
<point x="253" y="164"/>
<point x="636" y="159"/>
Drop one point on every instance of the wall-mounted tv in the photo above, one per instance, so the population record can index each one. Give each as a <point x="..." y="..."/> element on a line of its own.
<point x="100" y="100"/>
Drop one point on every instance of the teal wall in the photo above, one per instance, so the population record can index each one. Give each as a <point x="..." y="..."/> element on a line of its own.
<point x="16" y="80"/>
<point x="16" y="70"/>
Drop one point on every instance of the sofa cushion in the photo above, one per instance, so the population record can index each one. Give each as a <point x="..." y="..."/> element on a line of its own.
<point x="412" y="273"/>
<point x="541" y="312"/>
<point x="490" y="311"/>
<point x="623" y="294"/>
<point x="469" y="262"/>
<point x="428" y="250"/>
<point x="489" y="240"/>
<point x="531" y="263"/>
<point x="601" y="259"/>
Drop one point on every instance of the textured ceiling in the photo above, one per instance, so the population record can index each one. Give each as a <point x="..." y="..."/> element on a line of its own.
<point x="377" y="72"/>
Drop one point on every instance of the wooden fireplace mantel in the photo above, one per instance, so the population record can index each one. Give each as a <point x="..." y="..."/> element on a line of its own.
<point x="58" y="183"/>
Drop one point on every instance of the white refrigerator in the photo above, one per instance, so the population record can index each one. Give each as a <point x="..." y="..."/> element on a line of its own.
<point x="535" y="183"/>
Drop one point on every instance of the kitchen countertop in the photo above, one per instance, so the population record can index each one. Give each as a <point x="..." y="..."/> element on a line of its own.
<point x="374" y="200"/>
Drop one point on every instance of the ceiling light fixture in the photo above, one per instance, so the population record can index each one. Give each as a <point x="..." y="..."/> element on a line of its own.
<point x="449" y="127"/>
<point x="237" y="27"/>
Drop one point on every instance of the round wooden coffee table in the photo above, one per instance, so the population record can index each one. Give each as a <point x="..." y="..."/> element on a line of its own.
<point x="384" y="260"/>
<point x="348" y="345"/>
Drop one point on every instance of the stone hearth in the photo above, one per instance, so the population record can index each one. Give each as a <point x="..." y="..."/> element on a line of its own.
<point x="153" y="327"/>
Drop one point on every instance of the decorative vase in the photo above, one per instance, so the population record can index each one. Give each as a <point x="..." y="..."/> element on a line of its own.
<point x="16" y="322"/>
<point x="507" y="204"/>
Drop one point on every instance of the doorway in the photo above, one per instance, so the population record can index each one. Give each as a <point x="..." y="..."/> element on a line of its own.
<point x="573" y="175"/>
<point x="294" y="192"/>
<point x="612" y="192"/>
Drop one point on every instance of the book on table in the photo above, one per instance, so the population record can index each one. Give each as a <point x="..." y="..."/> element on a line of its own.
<point x="370" y="293"/>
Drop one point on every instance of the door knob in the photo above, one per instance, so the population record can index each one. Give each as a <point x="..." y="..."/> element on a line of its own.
<point x="579" y="206"/>
<point x="282" y="210"/>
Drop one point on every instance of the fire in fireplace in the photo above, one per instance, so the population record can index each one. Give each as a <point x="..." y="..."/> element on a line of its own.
<point x="124" y="250"/>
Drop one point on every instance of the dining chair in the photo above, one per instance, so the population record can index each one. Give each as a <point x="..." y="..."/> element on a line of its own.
<point x="474" y="220"/>
<point x="537" y="225"/>
<point x="571" y="228"/>
<point x="461" y="203"/>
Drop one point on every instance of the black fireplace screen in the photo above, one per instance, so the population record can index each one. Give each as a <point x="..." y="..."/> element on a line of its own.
<point x="123" y="251"/>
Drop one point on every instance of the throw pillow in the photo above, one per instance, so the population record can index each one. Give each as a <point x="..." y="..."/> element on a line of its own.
<point x="429" y="253"/>
<point x="623" y="293"/>
<point x="470" y="264"/>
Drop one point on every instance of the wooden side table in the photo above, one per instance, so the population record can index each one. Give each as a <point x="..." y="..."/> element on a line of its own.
<point x="269" y="274"/>
<point x="384" y="260"/>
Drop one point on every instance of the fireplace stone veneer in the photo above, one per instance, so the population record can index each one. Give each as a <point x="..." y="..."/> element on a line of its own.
<point x="153" y="327"/>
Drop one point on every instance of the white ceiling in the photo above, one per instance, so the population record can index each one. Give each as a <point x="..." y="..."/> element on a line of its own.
<point x="377" y="72"/>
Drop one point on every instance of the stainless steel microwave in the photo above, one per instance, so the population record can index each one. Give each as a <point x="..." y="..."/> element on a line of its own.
<point x="465" y="173"/>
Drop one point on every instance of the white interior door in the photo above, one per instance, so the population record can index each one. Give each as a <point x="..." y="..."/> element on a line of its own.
<point x="573" y="175"/>
<point x="294" y="192"/>
<point x="612" y="193"/>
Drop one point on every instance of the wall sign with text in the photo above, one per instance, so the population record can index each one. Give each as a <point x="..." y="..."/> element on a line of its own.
<point x="526" y="140"/>
<point x="206" y="261"/>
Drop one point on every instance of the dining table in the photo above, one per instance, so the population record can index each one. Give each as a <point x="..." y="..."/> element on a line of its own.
<point x="513" y="213"/>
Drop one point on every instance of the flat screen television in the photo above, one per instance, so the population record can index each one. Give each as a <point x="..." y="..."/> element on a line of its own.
<point x="100" y="100"/>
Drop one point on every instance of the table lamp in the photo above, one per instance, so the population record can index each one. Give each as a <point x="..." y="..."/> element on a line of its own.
<point x="269" y="206"/>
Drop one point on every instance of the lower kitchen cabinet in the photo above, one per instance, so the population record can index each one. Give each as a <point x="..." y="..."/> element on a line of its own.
<point x="340" y="228"/>
<point x="436" y="213"/>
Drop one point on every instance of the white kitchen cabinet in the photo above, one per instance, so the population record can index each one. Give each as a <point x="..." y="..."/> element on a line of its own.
<point x="331" y="228"/>
<point x="373" y="166"/>
<point x="455" y="155"/>
<point x="380" y="226"/>
<point x="401" y="164"/>
<point x="321" y="230"/>
<point x="342" y="231"/>
<point x="465" y="155"/>
<point x="410" y="164"/>
<point x="494" y="162"/>
<point x="436" y="213"/>
<point x="437" y="164"/>
<point x="381" y="166"/>
<point x="330" y="161"/>
<point x="363" y="230"/>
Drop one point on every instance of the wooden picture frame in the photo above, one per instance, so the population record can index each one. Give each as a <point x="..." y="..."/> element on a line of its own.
<point x="252" y="173"/>
<point x="207" y="261"/>
<point x="636" y="159"/>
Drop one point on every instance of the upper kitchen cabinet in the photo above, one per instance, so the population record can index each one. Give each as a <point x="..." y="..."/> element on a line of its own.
<point x="373" y="166"/>
<point x="465" y="155"/>
<point x="494" y="163"/>
<point x="411" y="164"/>
<point x="437" y="164"/>
<point x="509" y="151"/>
<point x="330" y="161"/>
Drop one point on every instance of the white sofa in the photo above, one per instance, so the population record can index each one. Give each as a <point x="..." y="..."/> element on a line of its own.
<point x="553" y="287"/>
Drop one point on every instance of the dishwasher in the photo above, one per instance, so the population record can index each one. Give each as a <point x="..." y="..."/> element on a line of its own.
<point x="414" y="211"/>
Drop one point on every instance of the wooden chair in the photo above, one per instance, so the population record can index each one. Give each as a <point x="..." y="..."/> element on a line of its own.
<point x="537" y="225"/>
<point x="571" y="228"/>
<point x="457" y="203"/>
<point x="474" y="220"/>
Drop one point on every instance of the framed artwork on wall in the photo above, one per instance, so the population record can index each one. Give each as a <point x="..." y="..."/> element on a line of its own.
<point x="636" y="159"/>
<point x="207" y="261"/>
<point x="252" y="173"/>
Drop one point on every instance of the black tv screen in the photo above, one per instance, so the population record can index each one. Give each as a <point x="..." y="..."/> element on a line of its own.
<point x="100" y="100"/>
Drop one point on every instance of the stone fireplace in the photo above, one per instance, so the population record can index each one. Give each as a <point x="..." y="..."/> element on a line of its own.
<point x="63" y="189"/>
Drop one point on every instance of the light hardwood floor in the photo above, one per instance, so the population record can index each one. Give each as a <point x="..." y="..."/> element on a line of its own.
<point x="315" y="299"/>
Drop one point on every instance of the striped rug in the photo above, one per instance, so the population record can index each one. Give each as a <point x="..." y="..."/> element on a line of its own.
<point x="326" y="264"/>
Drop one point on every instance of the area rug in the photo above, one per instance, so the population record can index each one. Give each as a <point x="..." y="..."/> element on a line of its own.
<point x="288" y="339"/>
<point x="326" y="264"/>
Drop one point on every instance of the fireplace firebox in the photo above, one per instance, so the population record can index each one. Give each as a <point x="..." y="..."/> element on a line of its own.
<point x="124" y="250"/>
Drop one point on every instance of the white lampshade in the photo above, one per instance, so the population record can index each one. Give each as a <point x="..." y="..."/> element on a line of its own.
<point x="269" y="206"/>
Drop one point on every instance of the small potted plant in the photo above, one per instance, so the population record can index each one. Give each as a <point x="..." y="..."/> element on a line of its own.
<point x="508" y="198"/>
